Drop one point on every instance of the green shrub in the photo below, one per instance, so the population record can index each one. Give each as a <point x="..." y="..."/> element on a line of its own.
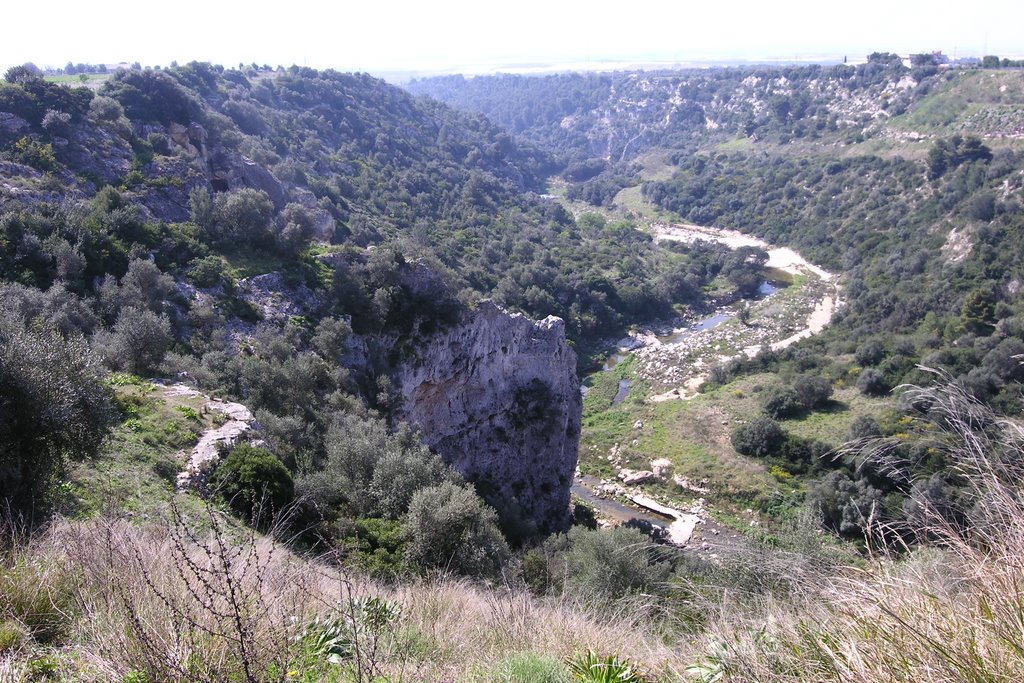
<point x="527" y="667"/>
<point x="13" y="636"/>
<point x="781" y="402"/>
<point x="37" y="597"/>
<point x="607" y="565"/>
<point x="760" y="438"/>
<point x="449" y="527"/>
<point x="872" y="383"/>
<point x="376" y="546"/>
<point x="53" y="407"/>
<point x="208" y="271"/>
<point x="35" y="154"/>
<point x="813" y="391"/>
<point x="590" y="668"/>
<point x="254" y="482"/>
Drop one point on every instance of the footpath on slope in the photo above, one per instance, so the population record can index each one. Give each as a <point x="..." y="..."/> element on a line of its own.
<point x="206" y="452"/>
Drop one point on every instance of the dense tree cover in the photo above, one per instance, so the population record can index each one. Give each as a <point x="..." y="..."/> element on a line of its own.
<point x="911" y="299"/>
<point x="381" y="165"/>
<point x="593" y="124"/>
<point x="586" y="117"/>
<point x="928" y="248"/>
<point x="884" y="224"/>
<point x="352" y="190"/>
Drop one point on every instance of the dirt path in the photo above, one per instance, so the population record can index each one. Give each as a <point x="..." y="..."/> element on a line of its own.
<point x="782" y="258"/>
<point x="206" y="452"/>
<point x="689" y="530"/>
<point x="685" y="361"/>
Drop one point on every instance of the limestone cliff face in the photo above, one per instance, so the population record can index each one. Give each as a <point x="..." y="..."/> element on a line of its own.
<point x="498" y="398"/>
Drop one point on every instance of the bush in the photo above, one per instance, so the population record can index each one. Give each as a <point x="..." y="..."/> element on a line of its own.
<point x="760" y="438"/>
<point x="254" y="482"/>
<point x="208" y="271"/>
<point x="590" y="668"/>
<point x="864" y="427"/>
<point x="138" y="342"/>
<point x="449" y="527"/>
<point x="812" y="391"/>
<point x="870" y="352"/>
<point x="242" y="216"/>
<point x="872" y="383"/>
<point x="606" y="565"/>
<point x="781" y="402"/>
<point x="527" y="667"/>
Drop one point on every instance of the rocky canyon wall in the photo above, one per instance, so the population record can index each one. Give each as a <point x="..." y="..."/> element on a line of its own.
<point x="497" y="396"/>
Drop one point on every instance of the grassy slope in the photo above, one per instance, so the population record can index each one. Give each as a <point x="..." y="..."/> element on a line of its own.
<point x="135" y="472"/>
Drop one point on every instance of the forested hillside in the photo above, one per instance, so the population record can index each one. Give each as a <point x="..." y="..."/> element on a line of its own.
<point x="293" y="240"/>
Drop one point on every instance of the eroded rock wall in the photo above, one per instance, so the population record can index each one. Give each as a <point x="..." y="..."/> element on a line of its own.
<point x="497" y="396"/>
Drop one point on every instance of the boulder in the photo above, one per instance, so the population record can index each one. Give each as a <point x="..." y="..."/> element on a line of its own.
<point x="632" y="478"/>
<point x="232" y="171"/>
<point x="662" y="468"/>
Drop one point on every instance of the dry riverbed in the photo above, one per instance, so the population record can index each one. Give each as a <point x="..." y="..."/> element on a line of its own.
<point x="675" y="365"/>
<point x="677" y="369"/>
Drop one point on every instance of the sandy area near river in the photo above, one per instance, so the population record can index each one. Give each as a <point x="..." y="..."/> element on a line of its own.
<point x="782" y="258"/>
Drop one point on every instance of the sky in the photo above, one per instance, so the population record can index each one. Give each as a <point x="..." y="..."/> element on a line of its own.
<point x="381" y="36"/>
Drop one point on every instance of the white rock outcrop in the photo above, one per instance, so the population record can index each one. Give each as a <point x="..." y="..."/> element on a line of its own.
<point x="497" y="396"/>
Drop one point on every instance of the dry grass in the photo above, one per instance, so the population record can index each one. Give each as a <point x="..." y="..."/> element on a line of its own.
<point x="227" y="605"/>
<point x="950" y="612"/>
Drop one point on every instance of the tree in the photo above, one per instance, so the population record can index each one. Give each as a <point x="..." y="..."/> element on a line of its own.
<point x="781" y="402"/>
<point x="53" y="407"/>
<point x="138" y="341"/>
<point x="200" y="205"/>
<point x="982" y="207"/>
<point x="21" y="75"/>
<point x="990" y="62"/>
<point x="978" y="311"/>
<point x="888" y="58"/>
<point x="242" y="216"/>
<point x="872" y="383"/>
<point x="812" y="391"/>
<point x="870" y="352"/>
<point x="449" y="527"/>
<point x="845" y="505"/>
<point x="295" y="228"/>
<point x="863" y="428"/>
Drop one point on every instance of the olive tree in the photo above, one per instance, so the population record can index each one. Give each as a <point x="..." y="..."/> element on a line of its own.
<point x="450" y="528"/>
<point x="54" y="407"/>
<point x="242" y="216"/>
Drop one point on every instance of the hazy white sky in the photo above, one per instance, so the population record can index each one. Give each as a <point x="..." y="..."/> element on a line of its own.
<point x="393" y="35"/>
